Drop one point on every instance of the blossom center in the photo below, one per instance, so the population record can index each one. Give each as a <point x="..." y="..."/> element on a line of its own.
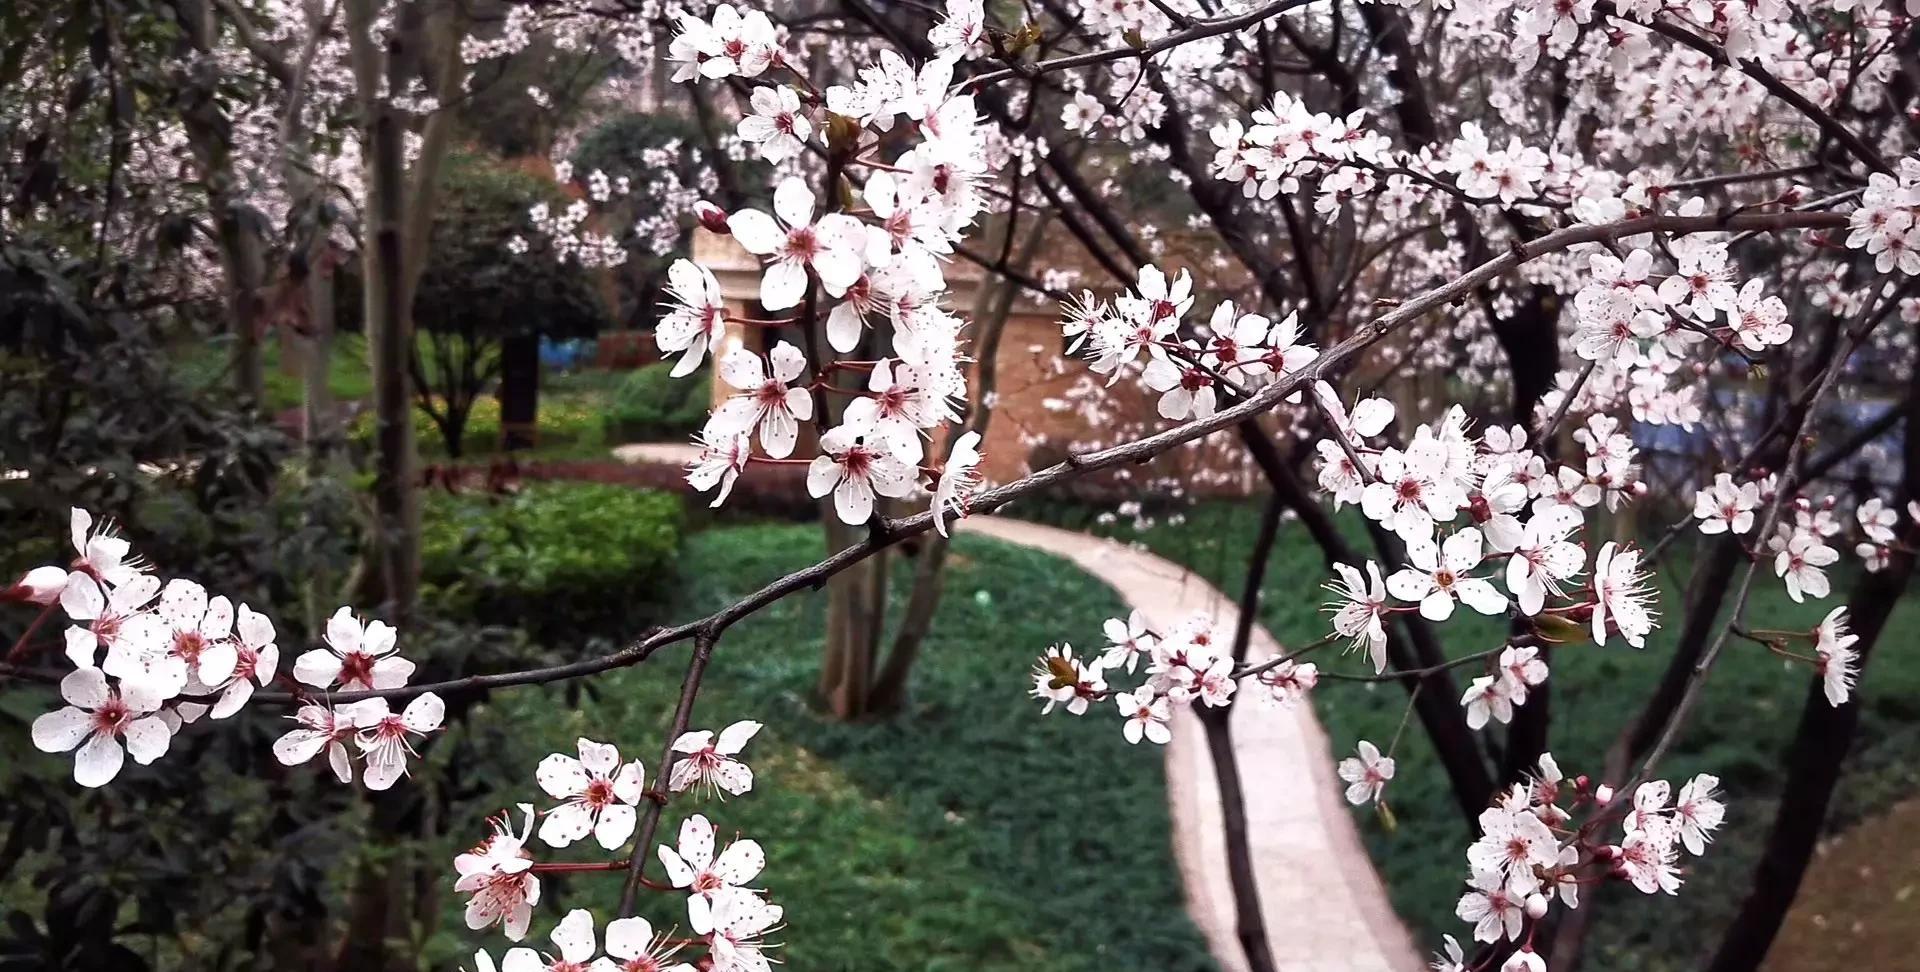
<point x="599" y="793"/>
<point x="112" y="716"/>
<point x="803" y="244"/>
<point x="356" y="667"/>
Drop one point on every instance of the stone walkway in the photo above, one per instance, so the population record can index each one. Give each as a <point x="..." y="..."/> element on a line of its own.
<point x="1324" y="906"/>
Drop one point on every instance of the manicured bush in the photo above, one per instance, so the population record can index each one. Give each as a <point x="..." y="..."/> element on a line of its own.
<point x="564" y="561"/>
<point x="653" y="406"/>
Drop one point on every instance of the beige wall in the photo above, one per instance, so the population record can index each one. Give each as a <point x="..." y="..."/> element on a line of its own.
<point x="1045" y="403"/>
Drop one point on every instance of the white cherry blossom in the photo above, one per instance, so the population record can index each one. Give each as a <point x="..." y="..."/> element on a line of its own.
<point x="598" y="794"/>
<point x="95" y="723"/>
<point x="853" y="468"/>
<point x="706" y="761"/>
<point x="1434" y="577"/>
<point x="830" y="247"/>
<point x="693" y="866"/>
<point x="768" y="400"/>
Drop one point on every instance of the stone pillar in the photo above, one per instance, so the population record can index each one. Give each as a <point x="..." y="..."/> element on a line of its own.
<point x="739" y="275"/>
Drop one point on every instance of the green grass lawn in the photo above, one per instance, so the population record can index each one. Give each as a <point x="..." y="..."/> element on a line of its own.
<point x="1738" y="732"/>
<point x="972" y="834"/>
<point x="206" y="363"/>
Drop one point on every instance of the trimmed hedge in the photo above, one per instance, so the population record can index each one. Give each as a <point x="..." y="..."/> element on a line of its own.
<point x="653" y="406"/>
<point x="560" y="560"/>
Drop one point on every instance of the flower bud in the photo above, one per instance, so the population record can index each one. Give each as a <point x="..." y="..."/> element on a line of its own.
<point x="1536" y="906"/>
<point x="1525" y="960"/>
<point x="1603" y="794"/>
<point x="41" y="585"/>
<point x="712" y="217"/>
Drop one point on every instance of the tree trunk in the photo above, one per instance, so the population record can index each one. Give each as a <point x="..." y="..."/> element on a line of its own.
<point x="991" y="311"/>
<point x="236" y="226"/>
<point x="519" y="391"/>
<point x="856" y="607"/>
<point x="1250" y="924"/>
<point x="1825" y="734"/>
<point x="378" y="892"/>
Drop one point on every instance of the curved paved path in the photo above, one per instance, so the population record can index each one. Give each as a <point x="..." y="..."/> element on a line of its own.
<point x="1325" y="908"/>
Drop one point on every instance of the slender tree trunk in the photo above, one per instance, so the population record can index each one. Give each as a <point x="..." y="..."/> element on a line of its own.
<point x="1250" y="924"/>
<point x="236" y="226"/>
<point x="856" y="609"/>
<point x="519" y="391"/>
<point x="380" y="885"/>
<point x="1825" y="734"/>
<point x="991" y="311"/>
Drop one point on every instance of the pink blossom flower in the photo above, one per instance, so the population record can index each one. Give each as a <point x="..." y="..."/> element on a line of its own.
<point x="498" y="873"/>
<point x="723" y="457"/>
<point x="574" y="940"/>
<point x="95" y="721"/>
<point x="1146" y="715"/>
<point x="1366" y="773"/>
<point x="705" y="761"/>
<point x="740" y="921"/>
<point x="1494" y="906"/>
<point x="767" y="400"/>
<point x="694" y="867"/>
<point x="1287" y="683"/>
<point x="958" y="480"/>
<point x="320" y="728"/>
<point x="853" y="468"/>
<point x="830" y="247"/>
<point x="631" y="942"/>
<point x="696" y="319"/>
<point x="386" y="737"/>
<point x="598" y="793"/>
<point x="356" y="657"/>
<point x="1435" y="576"/>
<point x="1833" y="646"/>
<point x="1358" y="609"/>
<point x="1061" y="679"/>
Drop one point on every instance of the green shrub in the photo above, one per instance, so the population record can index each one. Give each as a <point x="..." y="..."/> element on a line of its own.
<point x="563" y="561"/>
<point x="653" y="406"/>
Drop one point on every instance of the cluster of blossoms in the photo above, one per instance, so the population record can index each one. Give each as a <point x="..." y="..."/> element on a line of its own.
<point x="1235" y="354"/>
<point x="150" y="657"/>
<point x="1183" y="665"/>
<point x="570" y="237"/>
<point x="1522" y="524"/>
<point x="882" y="259"/>
<point x="599" y="795"/>
<point x="1533" y="851"/>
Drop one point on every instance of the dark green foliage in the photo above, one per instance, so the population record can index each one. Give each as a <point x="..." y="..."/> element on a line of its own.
<point x="472" y="283"/>
<point x="663" y="160"/>
<point x="563" y="561"/>
<point x="653" y="406"/>
<point x="1738" y="732"/>
<point x="476" y="293"/>
<point x="974" y="834"/>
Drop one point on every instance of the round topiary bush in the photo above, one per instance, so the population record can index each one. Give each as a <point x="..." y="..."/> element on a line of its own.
<point x="652" y="406"/>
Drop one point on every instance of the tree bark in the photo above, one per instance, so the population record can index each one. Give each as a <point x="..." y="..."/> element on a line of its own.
<point x="1250" y="925"/>
<point x="519" y="391"/>
<point x="991" y="310"/>
<point x="1820" y="744"/>
<point x="236" y="226"/>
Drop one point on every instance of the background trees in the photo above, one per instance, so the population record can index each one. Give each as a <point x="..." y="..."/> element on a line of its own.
<point x="186" y="172"/>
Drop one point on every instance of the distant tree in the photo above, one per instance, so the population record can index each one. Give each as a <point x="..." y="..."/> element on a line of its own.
<point x="481" y="308"/>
